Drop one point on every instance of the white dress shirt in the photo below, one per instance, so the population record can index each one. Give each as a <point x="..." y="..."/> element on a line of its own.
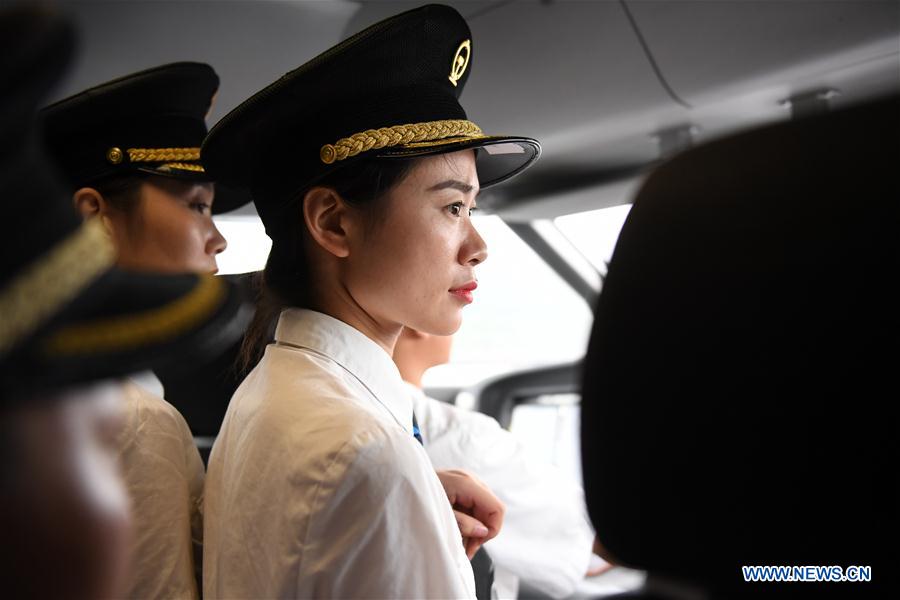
<point x="547" y="537"/>
<point x="163" y="474"/>
<point x="317" y="488"/>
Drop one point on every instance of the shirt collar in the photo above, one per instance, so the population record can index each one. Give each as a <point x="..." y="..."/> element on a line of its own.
<point x="149" y="382"/>
<point x="350" y="348"/>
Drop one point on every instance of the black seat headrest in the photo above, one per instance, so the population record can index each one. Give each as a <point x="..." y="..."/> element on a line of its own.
<point x="744" y="356"/>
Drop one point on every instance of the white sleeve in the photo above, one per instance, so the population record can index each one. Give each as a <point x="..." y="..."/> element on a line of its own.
<point x="546" y="538"/>
<point x="386" y="530"/>
<point x="162" y="472"/>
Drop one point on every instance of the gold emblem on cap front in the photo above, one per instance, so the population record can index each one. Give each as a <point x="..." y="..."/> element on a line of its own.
<point x="114" y="155"/>
<point x="460" y="61"/>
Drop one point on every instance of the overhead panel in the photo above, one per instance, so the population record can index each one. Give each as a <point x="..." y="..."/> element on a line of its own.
<point x="731" y="59"/>
<point x="249" y="44"/>
<point x="573" y="75"/>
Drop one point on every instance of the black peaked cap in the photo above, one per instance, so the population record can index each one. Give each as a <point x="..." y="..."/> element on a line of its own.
<point x="149" y="122"/>
<point x="406" y="70"/>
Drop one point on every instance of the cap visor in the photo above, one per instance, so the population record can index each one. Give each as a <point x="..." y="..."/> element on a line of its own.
<point x="229" y="198"/>
<point x="497" y="158"/>
<point x="226" y="198"/>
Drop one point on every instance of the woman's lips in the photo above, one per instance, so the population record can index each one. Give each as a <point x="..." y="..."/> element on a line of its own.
<point x="464" y="292"/>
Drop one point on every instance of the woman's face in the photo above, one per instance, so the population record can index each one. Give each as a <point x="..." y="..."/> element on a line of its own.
<point x="415" y="264"/>
<point x="170" y="230"/>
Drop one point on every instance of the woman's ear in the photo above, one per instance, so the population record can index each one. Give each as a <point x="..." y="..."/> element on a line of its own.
<point x="326" y="215"/>
<point x="89" y="202"/>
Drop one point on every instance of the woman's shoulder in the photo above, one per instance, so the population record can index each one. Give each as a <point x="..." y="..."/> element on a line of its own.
<point x="326" y="419"/>
<point x="318" y="443"/>
<point x="154" y="432"/>
<point x="379" y="460"/>
<point x="148" y="413"/>
<point x="301" y="399"/>
<point x="299" y="388"/>
<point x="301" y="372"/>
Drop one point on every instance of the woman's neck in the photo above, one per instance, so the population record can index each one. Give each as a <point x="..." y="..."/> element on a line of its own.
<point x="343" y="307"/>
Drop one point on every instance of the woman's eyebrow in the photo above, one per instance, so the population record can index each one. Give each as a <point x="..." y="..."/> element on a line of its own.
<point x="453" y="184"/>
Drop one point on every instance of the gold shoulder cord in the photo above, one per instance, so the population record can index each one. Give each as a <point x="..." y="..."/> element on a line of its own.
<point x="385" y="137"/>
<point x="53" y="281"/>
<point x="133" y="330"/>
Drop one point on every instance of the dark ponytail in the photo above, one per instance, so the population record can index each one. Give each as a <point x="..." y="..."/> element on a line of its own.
<point x="286" y="280"/>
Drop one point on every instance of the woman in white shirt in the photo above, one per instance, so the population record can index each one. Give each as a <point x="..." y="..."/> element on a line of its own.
<point x="364" y="171"/>
<point x="130" y="150"/>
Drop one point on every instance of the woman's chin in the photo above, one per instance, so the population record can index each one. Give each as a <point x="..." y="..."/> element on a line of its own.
<point x="444" y="327"/>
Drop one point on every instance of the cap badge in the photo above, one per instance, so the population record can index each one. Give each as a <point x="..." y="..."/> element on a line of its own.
<point x="460" y="61"/>
<point x="114" y="156"/>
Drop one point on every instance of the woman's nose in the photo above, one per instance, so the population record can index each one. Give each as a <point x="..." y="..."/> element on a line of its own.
<point x="474" y="250"/>
<point x="217" y="242"/>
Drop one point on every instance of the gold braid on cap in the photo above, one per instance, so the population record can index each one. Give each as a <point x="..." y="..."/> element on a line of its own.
<point x="163" y="154"/>
<point x="128" y="331"/>
<point x="53" y="281"/>
<point x="376" y="139"/>
<point x="181" y="167"/>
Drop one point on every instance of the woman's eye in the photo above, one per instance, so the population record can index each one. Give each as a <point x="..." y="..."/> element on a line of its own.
<point x="456" y="209"/>
<point x="201" y="207"/>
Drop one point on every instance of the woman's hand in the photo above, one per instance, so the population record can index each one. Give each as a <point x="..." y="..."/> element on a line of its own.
<point x="602" y="566"/>
<point x="479" y="513"/>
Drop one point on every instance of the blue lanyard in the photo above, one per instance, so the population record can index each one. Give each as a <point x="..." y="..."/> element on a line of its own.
<point x="417" y="433"/>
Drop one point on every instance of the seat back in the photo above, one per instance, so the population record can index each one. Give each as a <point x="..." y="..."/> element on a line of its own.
<point x="744" y="355"/>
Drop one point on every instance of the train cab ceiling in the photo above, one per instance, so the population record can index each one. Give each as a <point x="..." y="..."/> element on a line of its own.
<point x="609" y="87"/>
